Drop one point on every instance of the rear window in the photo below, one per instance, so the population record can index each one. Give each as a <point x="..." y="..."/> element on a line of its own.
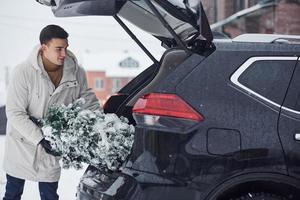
<point x="139" y="13"/>
<point x="268" y="78"/>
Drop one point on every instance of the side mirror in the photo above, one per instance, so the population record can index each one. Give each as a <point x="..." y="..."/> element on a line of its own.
<point x="70" y="8"/>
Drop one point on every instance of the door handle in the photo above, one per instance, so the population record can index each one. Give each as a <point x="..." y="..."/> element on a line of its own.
<point x="297" y="136"/>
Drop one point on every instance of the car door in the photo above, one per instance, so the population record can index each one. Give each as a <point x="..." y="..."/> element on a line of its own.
<point x="289" y="124"/>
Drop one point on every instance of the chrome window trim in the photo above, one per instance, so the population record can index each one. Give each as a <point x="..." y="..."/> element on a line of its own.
<point x="235" y="76"/>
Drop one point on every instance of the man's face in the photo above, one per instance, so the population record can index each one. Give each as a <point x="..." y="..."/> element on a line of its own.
<point x="55" y="50"/>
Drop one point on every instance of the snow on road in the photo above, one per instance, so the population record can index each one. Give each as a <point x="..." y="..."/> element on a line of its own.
<point x="67" y="184"/>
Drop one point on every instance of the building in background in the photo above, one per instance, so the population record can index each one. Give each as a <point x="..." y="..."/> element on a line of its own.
<point x="235" y="17"/>
<point x="108" y="72"/>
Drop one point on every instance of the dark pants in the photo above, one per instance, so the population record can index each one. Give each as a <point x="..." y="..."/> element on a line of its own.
<point x="15" y="186"/>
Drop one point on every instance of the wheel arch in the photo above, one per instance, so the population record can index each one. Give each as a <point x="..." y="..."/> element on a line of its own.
<point x="274" y="183"/>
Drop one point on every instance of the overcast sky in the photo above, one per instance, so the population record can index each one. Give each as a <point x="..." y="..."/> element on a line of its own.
<point x="22" y="20"/>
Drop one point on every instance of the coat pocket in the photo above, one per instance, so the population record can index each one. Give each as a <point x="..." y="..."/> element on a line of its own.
<point x="23" y="151"/>
<point x="47" y="162"/>
<point x="22" y="139"/>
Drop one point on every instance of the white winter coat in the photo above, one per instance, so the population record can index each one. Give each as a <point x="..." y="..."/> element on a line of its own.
<point x="30" y="93"/>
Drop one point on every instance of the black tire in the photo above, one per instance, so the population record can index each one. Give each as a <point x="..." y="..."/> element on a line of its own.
<point x="260" y="196"/>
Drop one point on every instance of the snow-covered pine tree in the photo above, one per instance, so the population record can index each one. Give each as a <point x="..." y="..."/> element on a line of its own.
<point x="85" y="136"/>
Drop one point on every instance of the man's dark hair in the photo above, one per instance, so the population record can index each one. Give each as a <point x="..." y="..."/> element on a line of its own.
<point x="52" y="31"/>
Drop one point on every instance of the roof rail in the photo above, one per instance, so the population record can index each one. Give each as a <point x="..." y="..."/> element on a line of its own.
<point x="267" y="38"/>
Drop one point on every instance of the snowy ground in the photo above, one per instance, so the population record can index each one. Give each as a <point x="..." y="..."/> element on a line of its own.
<point x="67" y="184"/>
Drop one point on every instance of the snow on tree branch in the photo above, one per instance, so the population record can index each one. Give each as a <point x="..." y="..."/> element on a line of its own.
<point x="84" y="136"/>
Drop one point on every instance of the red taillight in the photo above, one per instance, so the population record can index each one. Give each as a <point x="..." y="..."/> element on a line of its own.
<point x="165" y="105"/>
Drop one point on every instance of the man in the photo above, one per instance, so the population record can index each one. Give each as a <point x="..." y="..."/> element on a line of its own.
<point x="50" y="75"/>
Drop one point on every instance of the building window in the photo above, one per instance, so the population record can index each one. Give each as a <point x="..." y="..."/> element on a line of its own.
<point x="238" y="5"/>
<point x="129" y="63"/>
<point x="99" y="84"/>
<point x="116" y="85"/>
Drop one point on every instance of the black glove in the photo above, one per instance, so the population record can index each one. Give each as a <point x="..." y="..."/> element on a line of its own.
<point x="46" y="145"/>
<point x="36" y="121"/>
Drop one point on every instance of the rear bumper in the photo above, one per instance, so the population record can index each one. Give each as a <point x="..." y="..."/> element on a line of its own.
<point x="120" y="186"/>
<point x="82" y="195"/>
<point x="95" y="185"/>
<point x="86" y="194"/>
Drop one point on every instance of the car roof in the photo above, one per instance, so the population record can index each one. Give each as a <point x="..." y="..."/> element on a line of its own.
<point x="267" y="38"/>
<point x="261" y="38"/>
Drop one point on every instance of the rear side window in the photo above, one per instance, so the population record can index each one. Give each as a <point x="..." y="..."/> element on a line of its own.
<point x="293" y="98"/>
<point x="268" y="78"/>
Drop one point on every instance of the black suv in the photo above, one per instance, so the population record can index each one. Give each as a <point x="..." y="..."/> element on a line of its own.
<point x="215" y="118"/>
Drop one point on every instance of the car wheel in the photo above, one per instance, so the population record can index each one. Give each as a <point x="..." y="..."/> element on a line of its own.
<point x="260" y="196"/>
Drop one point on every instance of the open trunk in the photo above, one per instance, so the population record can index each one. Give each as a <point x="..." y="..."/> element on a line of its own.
<point x="171" y="21"/>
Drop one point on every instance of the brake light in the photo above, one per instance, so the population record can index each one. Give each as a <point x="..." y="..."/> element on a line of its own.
<point x="166" y="105"/>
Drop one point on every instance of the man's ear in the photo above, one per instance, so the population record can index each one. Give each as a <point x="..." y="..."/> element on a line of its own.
<point x="43" y="47"/>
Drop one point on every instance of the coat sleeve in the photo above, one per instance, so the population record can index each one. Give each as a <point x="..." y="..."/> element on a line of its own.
<point x="16" y="106"/>
<point x="91" y="101"/>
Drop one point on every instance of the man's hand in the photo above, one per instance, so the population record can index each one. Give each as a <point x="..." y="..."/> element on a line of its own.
<point x="36" y="121"/>
<point x="46" y="145"/>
